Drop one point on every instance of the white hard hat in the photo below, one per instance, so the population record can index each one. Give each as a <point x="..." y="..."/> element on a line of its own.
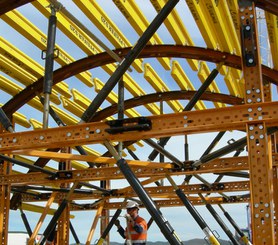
<point x="132" y="204"/>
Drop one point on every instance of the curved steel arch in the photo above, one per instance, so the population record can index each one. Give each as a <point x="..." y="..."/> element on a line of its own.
<point x="165" y="96"/>
<point x="153" y="51"/>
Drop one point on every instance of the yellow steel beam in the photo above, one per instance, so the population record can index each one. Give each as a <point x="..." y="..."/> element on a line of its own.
<point x="233" y="8"/>
<point x="156" y="82"/>
<point x="75" y="108"/>
<point x="97" y="15"/>
<point x="28" y="64"/>
<point x="39" y="39"/>
<point x="97" y="159"/>
<point x="203" y="73"/>
<point x="222" y="21"/>
<point x="272" y="28"/>
<point x="177" y="29"/>
<point x="19" y="118"/>
<point x="184" y="83"/>
<point x="12" y="88"/>
<point x="83" y="41"/>
<point x="139" y="22"/>
<point x="113" y="98"/>
<point x="232" y="84"/>
<point x="207" y="29"/>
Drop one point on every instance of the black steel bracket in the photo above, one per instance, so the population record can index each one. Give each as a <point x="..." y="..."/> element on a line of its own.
<point x="129" y="124"/>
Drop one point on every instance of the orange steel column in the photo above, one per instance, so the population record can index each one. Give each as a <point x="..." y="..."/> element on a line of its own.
<point x="63" y="224"/>
<point x="5" y="169"/>
<point x="259" y="144"/>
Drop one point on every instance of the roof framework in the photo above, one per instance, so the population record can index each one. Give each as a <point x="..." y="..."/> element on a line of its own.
<point x="155" y="89"/>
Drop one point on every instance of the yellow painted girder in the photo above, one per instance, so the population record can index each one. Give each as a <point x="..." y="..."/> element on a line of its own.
<point x="113" y="98"/>
<point x="272" y="28"/>
<point x="19" y="118"/>
<point x="134" y="15"/>
<point x="156" y="82"/>
<point x="203" y="73"/>
<point x="75" y="164"/>
<point x="109" y="29"/>
<point x="209" y="31"/>
<point x="70" y="29"/>
<point x="39" y="39"/>
<point x="39" y="209"/>
<point x="97" y="159"/>
<point x="222" y="21"/>
<point x="13" y="88"/>
<point x="75" y="108"/>
<point x="233" y="84"/>
<point x="29" y="65"/>
<point x="202" y="20"/>
<point x="177" y="29"/>
<point x="83" y="41"/>
<point x="184" y="83"/>
<point x="233" y="8"/>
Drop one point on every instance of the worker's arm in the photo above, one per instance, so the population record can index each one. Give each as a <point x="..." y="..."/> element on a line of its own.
<point x="120" y="229"/>
<point x="138" y="228"/>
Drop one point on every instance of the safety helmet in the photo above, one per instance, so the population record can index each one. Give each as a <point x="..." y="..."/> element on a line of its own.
<point x="132" y="204"/>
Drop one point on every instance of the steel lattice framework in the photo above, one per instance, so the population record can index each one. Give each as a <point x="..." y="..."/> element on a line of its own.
<point x="135" y="116"/>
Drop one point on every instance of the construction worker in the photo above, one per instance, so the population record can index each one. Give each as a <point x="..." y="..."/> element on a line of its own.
<point x="136" y="230"/>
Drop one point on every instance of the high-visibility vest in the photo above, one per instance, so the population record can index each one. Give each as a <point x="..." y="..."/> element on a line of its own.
<point x="135" y="236"/>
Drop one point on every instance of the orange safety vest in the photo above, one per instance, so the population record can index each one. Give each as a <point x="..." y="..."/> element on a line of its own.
<point x="135" y="236"/>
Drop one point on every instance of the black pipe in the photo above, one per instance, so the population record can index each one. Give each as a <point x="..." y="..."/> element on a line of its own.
<point x="26" y="165"/>
<point x="26" y="223"/>
<point x="6" y="121"/>
<point x="74" y="234"/>
<point x="162" y="223"/>
<point x="130" y="57"/>
<point x="53" y="221"/>
<point x="49" y="59"/>
<point x="222" y="224"/>
<point x="234" y="224"/>
<point x="214" y="143"/>
<point x="164" y="152"/>
<point x="191" y="104"/>
<point x="109" y="226"/>
<point x="239" y="144"/>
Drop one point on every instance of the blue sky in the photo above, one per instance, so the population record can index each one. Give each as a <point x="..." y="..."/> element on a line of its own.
<point x="179" y="218"/>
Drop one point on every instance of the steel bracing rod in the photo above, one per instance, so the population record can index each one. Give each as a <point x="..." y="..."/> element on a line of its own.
<point x="162" y="223"/>
<point x="5" y="121"/>
<point x="131" y="56"/>
<point x="109" y="226"/>
<point x="63" y="10"/>
<point x="95" y="187"/>
<point x="121" y="108"/>
<point x="26" y="165"/>
<point x="74" y="234"/>
<point x="49" y="64"/>
<point x="56" y="215"/>
<point x="191" y="103"/>
<point x="238" y="151"/>
<point x="214" y="143"/>
<point x="234" y="224"/>
<point x="195" y="214"/>
<point x="26" y="223"/>
<point x="219" y="221"/>
<point x="60" y="123"/>
<point x="161" y="150"/>
<point x="239" y="174"/>
<point x="239" y="144"/>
